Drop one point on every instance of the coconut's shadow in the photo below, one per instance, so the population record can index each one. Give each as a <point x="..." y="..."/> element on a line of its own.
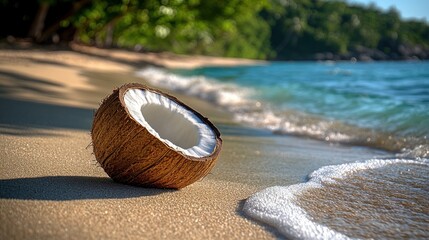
<point x="65" y="188"/>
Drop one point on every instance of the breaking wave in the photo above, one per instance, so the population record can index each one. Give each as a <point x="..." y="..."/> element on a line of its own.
<point x="347" y="202"/>
<point x="246" y="108"/>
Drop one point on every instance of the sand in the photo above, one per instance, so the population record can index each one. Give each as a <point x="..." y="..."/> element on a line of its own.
<point x="52" y="188"/>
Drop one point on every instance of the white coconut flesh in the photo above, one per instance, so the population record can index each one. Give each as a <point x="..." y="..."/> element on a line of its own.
<point x="171" y="123"/>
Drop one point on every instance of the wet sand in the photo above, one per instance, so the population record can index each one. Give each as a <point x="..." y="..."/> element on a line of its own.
<point x="51" y="186"/>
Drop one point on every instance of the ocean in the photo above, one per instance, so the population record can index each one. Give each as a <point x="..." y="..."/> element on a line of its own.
<point x="382" y="105"/>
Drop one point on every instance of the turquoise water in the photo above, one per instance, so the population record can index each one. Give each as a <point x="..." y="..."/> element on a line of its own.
<point x="392" y="96"/>
<point x="377" y="104"/>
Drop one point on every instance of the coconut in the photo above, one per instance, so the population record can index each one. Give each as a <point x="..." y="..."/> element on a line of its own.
<point x="142" y="136"/>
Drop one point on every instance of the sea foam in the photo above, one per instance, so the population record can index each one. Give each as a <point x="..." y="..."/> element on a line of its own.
<point x="277" y="206"/>
<point x="226" y="95"/>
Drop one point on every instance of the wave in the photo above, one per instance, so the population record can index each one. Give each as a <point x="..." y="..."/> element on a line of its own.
<point x="226" y="95"/>
<point x="247" y="109"/>
<point x="279" y="206"/>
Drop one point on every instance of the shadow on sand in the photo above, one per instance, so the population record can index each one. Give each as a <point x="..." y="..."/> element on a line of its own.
<point x="27" y="115"/>
<point x="66" y="188"/>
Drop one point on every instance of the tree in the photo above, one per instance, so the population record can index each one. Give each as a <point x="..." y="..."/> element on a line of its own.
<point x="275" y="29"/>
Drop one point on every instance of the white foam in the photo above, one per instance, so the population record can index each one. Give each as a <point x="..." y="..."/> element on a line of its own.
<point x="277" y="206"/>
<point x="420" y="151"/>
<point x="222" y="94"/>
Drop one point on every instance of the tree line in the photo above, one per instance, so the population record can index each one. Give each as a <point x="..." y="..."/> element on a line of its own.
<point x="260" y="29"/>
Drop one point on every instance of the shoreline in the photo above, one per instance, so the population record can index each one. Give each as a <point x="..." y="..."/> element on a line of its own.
<point x="183" y="61"/>
<point x="51" y="186"/>
<point x="124" y="58"/>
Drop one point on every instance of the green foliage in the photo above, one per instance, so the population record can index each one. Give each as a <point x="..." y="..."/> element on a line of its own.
<point x="303" y="28"/>
<point x="263" y="29"/>
<point x="227" y="28"/>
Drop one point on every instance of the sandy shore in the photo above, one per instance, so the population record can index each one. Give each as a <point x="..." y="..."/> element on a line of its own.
<point x="52" y="188"/>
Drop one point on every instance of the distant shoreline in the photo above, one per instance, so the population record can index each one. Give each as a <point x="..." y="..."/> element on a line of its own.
<point x="125" y="60"/>
<point x="131" y="58"/>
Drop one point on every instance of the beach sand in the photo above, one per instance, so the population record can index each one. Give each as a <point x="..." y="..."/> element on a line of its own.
<point x="52" y="188"/>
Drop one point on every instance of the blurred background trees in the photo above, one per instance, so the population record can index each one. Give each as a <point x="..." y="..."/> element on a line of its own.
<point x="262" y="29"/>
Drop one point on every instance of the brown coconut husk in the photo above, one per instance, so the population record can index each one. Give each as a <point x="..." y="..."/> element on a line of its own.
<point x="129" y="154"/>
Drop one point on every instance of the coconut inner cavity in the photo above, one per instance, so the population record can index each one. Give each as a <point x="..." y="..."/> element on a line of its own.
<point x="171" y="123"/>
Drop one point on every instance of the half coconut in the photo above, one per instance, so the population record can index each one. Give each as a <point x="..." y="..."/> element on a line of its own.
<point x="142" y="136"/>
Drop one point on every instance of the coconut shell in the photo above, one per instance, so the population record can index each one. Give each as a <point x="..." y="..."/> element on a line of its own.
<point x="130" y="154"/>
